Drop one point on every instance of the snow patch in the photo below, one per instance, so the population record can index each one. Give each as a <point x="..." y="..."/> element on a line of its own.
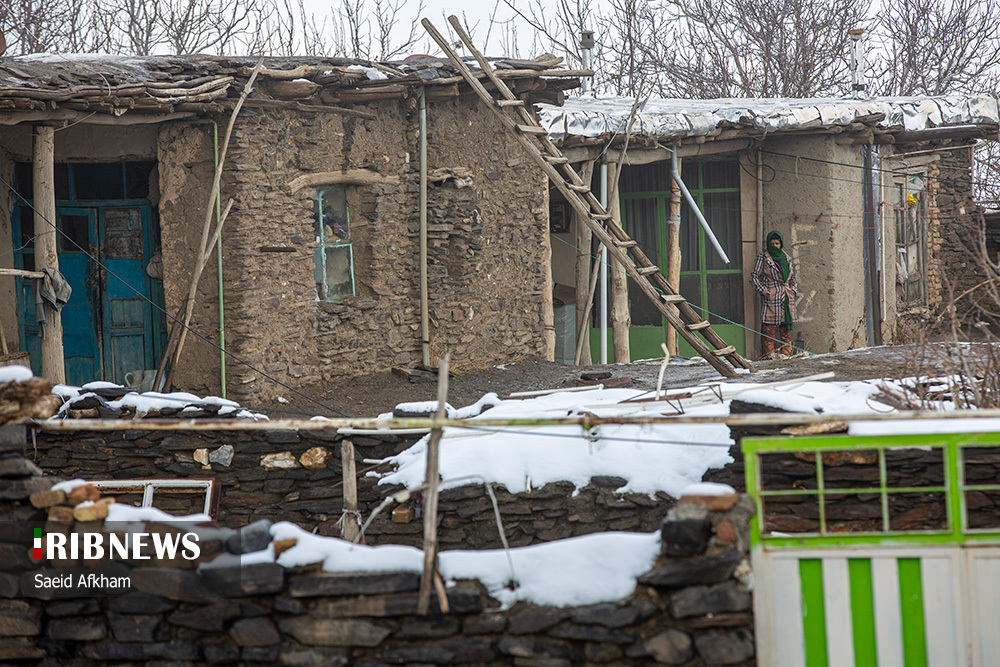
<point x="15" y="374"/>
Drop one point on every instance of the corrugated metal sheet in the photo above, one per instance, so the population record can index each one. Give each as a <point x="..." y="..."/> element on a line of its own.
<point x="660" y="117"/>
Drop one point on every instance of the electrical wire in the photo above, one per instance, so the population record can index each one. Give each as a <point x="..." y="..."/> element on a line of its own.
<point x="162" y="310"/>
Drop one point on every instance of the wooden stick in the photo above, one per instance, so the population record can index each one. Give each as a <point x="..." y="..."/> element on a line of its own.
<point x="213" y="193"/>
<point x="171" y="339"/>
<point x="621" y="317"/>
<point x="583" y="238"/>
<point x="582" y="336"/>
<point x="431" y="496"/>
<point x="349" y="528"/>
<point x="674" y="254"/>
<point x="21" y="273"/>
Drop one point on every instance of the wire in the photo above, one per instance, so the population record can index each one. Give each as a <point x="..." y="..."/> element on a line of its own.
<point x="158" y="307"/>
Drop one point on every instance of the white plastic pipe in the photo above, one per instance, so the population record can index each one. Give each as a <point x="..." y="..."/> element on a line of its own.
<point x="694" y="207"/>
<point x="604" y="266"/>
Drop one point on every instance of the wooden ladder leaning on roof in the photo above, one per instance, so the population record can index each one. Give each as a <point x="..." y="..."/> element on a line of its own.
<point x="534" y="138"/>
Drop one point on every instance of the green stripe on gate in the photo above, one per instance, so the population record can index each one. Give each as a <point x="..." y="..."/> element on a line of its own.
<point x="862" y="612"/>
<point x="911" y="600"/>
<point x="813" y="614"/>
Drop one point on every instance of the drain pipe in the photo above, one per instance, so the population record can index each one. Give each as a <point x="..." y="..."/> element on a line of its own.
<point x="694" y="206"/>
<point x="604" y="265"/>
<point x="587" y="61"/>
<point x="857" y="63"/>
<point x="425" y="336"/>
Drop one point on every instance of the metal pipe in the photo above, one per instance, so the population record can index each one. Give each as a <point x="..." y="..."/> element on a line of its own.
<point x="587" y="60"/>
<point x="604" y="266"/>
<point x="694" y="207"/>
<point x="857" y="63"/>
<point x="425" y="335"/>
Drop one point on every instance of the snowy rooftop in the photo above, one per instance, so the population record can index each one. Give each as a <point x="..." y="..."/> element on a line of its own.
<point x="596" y="116"/>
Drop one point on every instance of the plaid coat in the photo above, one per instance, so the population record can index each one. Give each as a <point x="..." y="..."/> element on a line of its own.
<point x="766" y="279"/>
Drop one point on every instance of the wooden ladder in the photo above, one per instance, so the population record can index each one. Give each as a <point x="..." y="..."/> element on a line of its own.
<point x="514" y="114"/>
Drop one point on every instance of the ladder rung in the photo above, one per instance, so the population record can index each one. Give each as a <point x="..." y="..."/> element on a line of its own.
<point x="646" y="270"/>
<point x="510" y="103"/>
<point x="556" y="159"/>
<point x="698" y="326"/>
<point x="578" y="188"/>
<point x="672" y="298"/>
<point x="532" y="129"/>
<point x="723" y="351"/>
<point x="601" y="216"/>
<point x="626" y="244"/>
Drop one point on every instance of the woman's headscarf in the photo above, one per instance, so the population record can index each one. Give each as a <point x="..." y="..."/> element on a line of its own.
<point x="781" y="259"/>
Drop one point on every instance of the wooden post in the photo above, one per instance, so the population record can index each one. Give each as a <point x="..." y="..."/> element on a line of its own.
<point x="674" y="253"/>
<point x="46" y="245"/>
<point x="621" y="319"/>
<point x="349" y="528"/>
<point x="583" y="294"/>
<point x="431" y="500"/>
<point x="548" y="306"/>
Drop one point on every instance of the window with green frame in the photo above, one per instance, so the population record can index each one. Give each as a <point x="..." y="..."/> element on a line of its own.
<point x="333" y="256"/>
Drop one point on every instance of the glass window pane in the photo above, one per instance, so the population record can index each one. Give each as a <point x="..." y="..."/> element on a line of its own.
<point x="123" y="233"/>
<point x="27" y="227"/>
<point x="62" y="181"/>
<point x="137" y="179"/>
<point x="99" y="181"/>
<point x="691" y="290"/>
<point x="725" y="298"/>
<point x="339" y="275"/>
<point x="75" y="233"/>
<point x="722" y="211"/>
<point x="646" y="178"/>
<point x="333" y="209"/>
<point x="720" y="175"/>
<point x="24" y="181"/>
<point x="689" y="174"/>
<point x="690" y="228"/>
<point x="640" y="222"/>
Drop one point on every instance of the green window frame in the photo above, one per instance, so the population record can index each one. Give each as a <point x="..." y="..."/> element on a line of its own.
<point x="333" y="255"/>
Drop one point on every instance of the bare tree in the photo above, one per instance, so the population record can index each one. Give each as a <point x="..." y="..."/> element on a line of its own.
<point x="934" y="47"/>
<point x="192" y="26"/>
<point x="559" y="34"/>
<point x="370" y="32"/>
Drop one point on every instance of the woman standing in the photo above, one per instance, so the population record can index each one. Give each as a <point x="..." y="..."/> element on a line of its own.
<point x="773" y="277"/>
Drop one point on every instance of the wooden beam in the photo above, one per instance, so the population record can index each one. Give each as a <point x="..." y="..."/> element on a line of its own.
<point x="674" y="253"/>
<point x="583" y="238"/>
<point x="431" y="496"/>
<point x="46" y="245"/>
<point x="548" y="299"/>
<point x="340" y="178"/>
<point x="621" y="319"/>
<point x="70" y="116"/>
<point x="952" y="132"/>
<point x="310" y="108"/>
<point x="349" y="527"/>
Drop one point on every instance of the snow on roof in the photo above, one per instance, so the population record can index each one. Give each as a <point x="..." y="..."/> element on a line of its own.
<point x="596" y="116"/>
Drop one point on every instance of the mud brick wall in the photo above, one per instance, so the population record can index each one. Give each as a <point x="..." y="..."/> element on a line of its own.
<point x="487" y="244"/>
<point x="692" y="608"/>
<point x="297" y="476"/>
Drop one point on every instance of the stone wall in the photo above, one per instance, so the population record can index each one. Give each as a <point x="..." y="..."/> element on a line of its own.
<point x="487" y="244"/>
<point x="692" y="608"/>
<point x="297" y="476"/>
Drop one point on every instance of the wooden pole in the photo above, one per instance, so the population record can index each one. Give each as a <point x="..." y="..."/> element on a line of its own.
<point x="431" y="497"/>
<point x="621" y="319"/>
<point x="205" y="247"/>
<point x="674" y="253"/>
<point x="583" y="333"/>
<point x="548" y="305"/>
<point x="349" y="528"/>
<point x="46" y="245"/>
<point x="583" y="295"/>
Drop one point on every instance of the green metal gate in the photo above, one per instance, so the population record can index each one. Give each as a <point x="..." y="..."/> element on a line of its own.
<point x="879" y="550"/>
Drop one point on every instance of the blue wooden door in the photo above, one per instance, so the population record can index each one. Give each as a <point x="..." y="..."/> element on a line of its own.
<point x="125" y="295"/>
<point x="80" y="315"/>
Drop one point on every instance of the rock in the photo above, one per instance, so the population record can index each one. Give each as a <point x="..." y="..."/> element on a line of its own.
<point x="169" y="583"/>
<point x="703" y="600"/>
<point x="324" y="632"/>
<point x="534" y="619"/>
<point x="281" y="546"/>
<point x="609" y="481"/>
<point x="18" y="467"/>
<point x="693" y="571"/>
<point x="725" y="648"/>
<point x="591" y="634"/>
<point x="308" y="657"/>
<point x="19" y="619"/>
<point x="95" y="512"/>
<point x="719" y="503"/>
<point x="353" y="584"/>
<point x="44" y="499"/>
<point x="138" y="604"/>
<point x="18" y="649"/>
<point x="449" y="651"/>
<point x="683" y="538"/>
<point x="207" y="618"/>
<point x="223" y="455"/>
<point x="82" y="493"/>
<point x="61" y="513"/>
<point x="256" y="579"/>
<point x="671" y="647"/>
<point x="248" y="539"/>
<point x="81" y="631"/>
<point x="14" y="557"/>
<point x="281" y="460"/>
<point x="201" y="456"/>
<point x="725" y="531"/>
<point x="609" y="615"/>
<point x="134" y="627"/>
<point x="218" y="652"/>
<point x="254" y="632"/>
<point x="19" y="489"/>
<point x="314" y="458"/>
<point x="72" y="608"/>
<point x="427" y="628"/>
<point x="485" y="624"/>
<point x="526" y="647"/>
<point x="283" y="437"/>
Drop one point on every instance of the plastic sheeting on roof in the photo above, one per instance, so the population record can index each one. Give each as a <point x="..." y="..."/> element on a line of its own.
<point x="592" y="117"/>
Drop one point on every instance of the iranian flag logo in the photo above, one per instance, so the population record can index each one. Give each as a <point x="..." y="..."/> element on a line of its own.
<point x="38" y="544"/>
